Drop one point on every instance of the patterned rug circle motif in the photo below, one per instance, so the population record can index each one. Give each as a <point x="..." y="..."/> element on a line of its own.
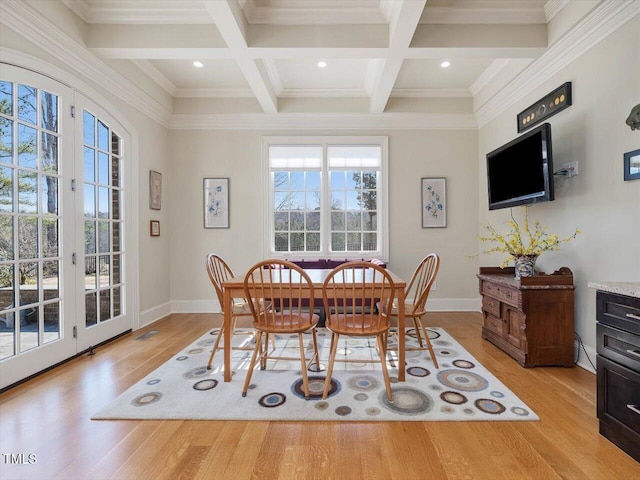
<point x="197" y="372"/>
<point x="407" y="401"/>
<point x="316" y="387"/>
<point x="418" y="371"/>
<point x="488" y="405"/>
<point x="463" y="364"/>
<point x="461" y="389"/>
<point x="456" y="398"/>
<point x="272" y="400"/>
<point x="462" y="380"/>
<point x="146" y="399"/>
<point x="207" y="384"/>
<point x="363" y="383"/>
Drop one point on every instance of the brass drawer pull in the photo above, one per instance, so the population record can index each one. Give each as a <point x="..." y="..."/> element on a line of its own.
<point x="633" y="352"/>
<point x="634" y="408"/>
<point x="631" y="315"/>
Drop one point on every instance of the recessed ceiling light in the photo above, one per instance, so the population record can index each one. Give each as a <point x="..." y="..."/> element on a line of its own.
<point x="445" y="64"/>
<point x="322" y="64"/>
<point x="198" y="64"/>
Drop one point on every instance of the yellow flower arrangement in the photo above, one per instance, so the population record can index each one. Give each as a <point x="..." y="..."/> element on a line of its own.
<point x="520" y="241"/>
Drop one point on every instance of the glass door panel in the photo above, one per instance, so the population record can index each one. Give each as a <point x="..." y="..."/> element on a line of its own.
<point x="101" y="198"/>
<point x="33" y="333"/>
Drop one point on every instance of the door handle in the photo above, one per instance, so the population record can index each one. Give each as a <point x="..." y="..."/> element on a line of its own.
<point x="634" y="408"/>
<point x="633" y="352"/>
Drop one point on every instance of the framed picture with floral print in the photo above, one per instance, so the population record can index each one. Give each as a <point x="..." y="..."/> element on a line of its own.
<point x="155" y="190"/>
<point x="434" y="202"/>
<point x="216" y="203"/>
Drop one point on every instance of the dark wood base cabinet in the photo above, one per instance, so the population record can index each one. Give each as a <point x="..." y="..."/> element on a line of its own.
<point x="530" y="318"/>
<point x="618" y="331"/>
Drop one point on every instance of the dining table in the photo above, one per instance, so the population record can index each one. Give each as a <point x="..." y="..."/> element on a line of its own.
<point x="234" y="288"/>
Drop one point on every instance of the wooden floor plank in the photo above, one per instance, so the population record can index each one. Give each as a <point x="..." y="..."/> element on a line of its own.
<point x="50" y="417"/>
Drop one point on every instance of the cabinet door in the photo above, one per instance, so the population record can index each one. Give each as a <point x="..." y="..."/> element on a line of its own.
<point x="514" y="325"/>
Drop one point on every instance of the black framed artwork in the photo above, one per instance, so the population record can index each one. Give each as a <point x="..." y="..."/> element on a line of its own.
<point x="632" y="165"/>
<point x="544" y="108"/>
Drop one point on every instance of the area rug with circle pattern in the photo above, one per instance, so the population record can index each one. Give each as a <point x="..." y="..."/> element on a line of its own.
<point x="461" y="389"/>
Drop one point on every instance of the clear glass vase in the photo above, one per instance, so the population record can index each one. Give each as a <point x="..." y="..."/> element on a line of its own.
<point x="525" y="265"/>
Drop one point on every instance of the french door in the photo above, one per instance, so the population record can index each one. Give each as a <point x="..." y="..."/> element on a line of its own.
<point x="62" y="211"/>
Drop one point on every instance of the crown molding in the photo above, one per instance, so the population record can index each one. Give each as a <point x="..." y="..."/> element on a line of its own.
<point x="553" y="7"/>
<point x="214" y="93"/>
<point x="25" y="21"/>
<point x="156" y="75"/>
<point x="274" y="76"/>
<point x="600" y="23"/>
<point x="322" y="121"/>
<point x="135" y="11"/>
<point x="489" y="74"/>
<point x="431" y="93"/>
<point x="323" y="93"/>
<point x="325" y="13"/>
<point x="482" y="15"/>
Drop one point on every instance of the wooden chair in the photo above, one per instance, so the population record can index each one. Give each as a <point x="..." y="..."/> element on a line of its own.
<point x="351" y="293"/>
<point x="416" y="295"/>
<point x="281" y="284"/>
<point x="219" y="272"/>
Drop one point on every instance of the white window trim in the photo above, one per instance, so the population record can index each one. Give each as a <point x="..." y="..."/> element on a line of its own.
<point x="324" y="141"/>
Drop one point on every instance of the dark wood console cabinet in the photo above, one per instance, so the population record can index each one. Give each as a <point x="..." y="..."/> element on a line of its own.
<point x="530" y="318"/>
<point x="618" y="347"/>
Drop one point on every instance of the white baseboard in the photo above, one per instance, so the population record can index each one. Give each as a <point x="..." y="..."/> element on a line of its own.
<point x="195" y="306"/>
<point x="154" y="314"/>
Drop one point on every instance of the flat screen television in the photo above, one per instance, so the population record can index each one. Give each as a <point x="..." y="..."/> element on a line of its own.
<point x="521" y="172"/>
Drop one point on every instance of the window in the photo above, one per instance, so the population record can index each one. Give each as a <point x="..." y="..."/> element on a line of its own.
<point x="327" y="196"/>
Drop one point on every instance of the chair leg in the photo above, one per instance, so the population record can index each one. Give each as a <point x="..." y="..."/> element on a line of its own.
<point x="418" y="333"/>
<point x="252" y="364"/>
<point x="332" y="357"/>
<point x="215" y="348"/>
<point x="383" y="361"/>
<point x="315" y="357"/>
<point x="303" y="369"/>
<point x="429" y="346"/>
<point x="263" y="357"/>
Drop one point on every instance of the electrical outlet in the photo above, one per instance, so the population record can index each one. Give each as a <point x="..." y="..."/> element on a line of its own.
<point x="571" y="169"/>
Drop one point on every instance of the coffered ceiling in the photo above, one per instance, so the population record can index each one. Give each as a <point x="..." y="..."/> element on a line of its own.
<point x="268" y="50"/>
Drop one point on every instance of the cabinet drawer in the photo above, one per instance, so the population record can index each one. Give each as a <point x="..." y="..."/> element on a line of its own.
<point x="619" y="311"/>
<point x="491" y="305"/>
<point x="505" y="294"/>
<point x="619" y="395"/>
<point x="619" y="346"/>
<point x="494" y="324"/>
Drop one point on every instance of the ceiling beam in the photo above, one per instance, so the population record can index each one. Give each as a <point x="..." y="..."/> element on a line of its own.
<point x="229" y="18"/>
<point x="403" y="23"/>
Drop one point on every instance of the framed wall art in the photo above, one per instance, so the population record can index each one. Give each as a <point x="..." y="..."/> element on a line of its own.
<point x="154" y="228"/>
<point x="155" y="190"/>
<point x="434" y="202"/>
<point x="632" y="165"/>
<point x="216" y="203"/>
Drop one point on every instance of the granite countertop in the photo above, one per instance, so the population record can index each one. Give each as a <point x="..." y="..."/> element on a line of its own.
<point x="631" y="289"/>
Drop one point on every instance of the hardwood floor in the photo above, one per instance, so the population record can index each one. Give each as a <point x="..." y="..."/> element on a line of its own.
<point x="49" y="417"/>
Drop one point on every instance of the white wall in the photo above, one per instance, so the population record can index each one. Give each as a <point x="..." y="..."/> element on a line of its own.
<point x="237" y="155"/>
<point x="606" y="85"/>
<point x="152" y="154"/>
